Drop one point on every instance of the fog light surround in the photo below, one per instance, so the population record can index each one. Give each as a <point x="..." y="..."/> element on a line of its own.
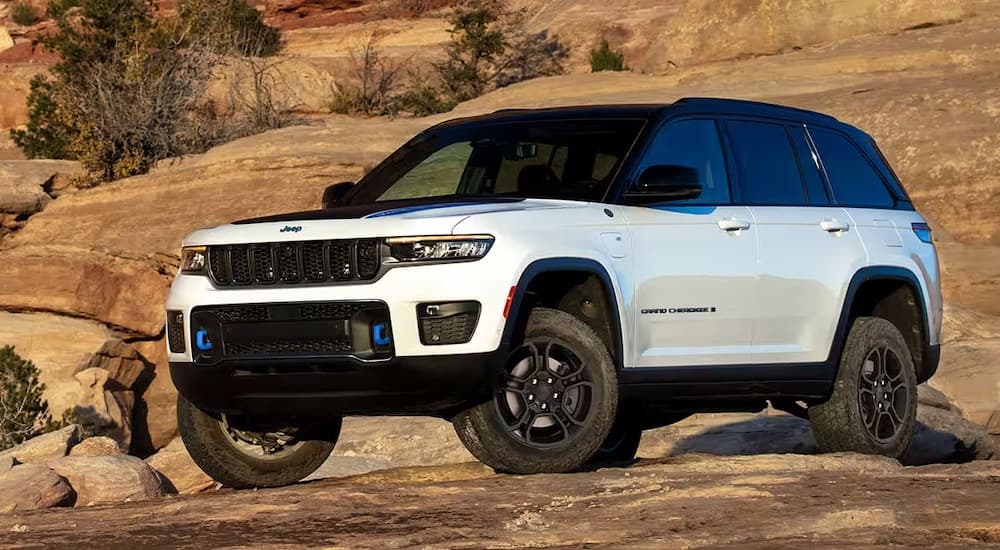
<point x="443" y="323"/>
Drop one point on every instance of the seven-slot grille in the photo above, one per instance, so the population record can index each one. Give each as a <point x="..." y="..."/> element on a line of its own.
<point x="294" y="262"/>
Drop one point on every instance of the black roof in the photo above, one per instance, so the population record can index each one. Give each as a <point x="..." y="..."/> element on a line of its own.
<point x="687" y="105"/>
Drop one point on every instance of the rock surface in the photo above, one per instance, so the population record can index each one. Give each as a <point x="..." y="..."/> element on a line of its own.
<point x="45" y="447"/>
<point x="773" y="501"/>
<point x="96" y="446"/>
<point x="109" y="479"/>
<point x="56" y="345"/>
<point x="31" y="487"/>
<point x="175" y="464"/>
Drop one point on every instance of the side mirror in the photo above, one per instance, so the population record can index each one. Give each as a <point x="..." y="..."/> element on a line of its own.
<point x="665" y="182"/>
<point x="334" y="193"/>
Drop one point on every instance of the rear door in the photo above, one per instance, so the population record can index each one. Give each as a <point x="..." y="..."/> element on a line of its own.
<point x="694" y="260"/>
<point x="808" y="249"/>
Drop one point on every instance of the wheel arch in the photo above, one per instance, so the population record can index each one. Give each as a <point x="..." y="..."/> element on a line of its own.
<point x="522" y="300"/>
<point x="874" y="290"/>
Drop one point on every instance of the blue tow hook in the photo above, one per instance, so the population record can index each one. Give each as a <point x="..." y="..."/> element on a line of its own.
<point x="380" y="334"/>
<point x="202" y="341"/>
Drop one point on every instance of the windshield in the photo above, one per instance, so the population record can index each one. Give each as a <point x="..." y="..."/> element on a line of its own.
<point x="566" y="159"/>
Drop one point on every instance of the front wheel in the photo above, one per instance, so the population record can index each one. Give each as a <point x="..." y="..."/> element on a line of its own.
<point x="556" y="404"/>
<point x="243" y="453"/>
<point x="873" y="407"/>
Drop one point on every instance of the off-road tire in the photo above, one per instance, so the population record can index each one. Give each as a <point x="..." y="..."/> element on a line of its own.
<point x="481" y="428"/>
<point x="206" y="442"/>
<point x="839" y="424"/>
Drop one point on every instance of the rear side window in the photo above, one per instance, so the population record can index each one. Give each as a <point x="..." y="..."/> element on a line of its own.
<point x="769" y="172"/>
<point x="809" y="166"/>
<point x="695" y="144"/>
<point x="853" y="179"/>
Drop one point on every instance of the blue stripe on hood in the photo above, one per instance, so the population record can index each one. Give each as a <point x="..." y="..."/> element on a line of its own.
<point x="411" y="209"/>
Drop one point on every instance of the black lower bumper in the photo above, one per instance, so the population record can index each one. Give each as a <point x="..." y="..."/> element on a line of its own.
<point x="425" y="385"/>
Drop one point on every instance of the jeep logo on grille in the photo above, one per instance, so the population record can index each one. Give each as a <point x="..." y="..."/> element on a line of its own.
<point x="291" y="229"/>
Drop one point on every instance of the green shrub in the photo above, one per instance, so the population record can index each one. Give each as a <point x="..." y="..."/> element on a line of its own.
<point x="128" y="90"/>
<point x="229" y="27"/>
<point x="23" y="412"/>
<point x="23" y="14"/>
<point x="603" y="58"/>
<point x="48" y="134"/>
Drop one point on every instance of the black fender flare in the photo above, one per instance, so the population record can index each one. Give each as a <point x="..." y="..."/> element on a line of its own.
<point x="516" y="319"/>
<point x="929" y="354"/>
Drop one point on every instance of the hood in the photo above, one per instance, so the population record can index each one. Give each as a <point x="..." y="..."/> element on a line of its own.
<point x="391" y="218"/>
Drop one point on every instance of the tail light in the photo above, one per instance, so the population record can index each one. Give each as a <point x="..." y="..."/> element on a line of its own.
<point x="922" y="231"/>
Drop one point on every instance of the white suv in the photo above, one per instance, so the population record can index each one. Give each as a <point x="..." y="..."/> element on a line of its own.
<point x="555" y="281"/>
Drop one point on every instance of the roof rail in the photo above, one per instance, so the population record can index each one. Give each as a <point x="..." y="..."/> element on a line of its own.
<point x="715" y="103"/>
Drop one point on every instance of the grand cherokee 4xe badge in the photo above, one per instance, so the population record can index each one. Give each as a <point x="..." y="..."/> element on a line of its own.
<point x="661" y="310"/>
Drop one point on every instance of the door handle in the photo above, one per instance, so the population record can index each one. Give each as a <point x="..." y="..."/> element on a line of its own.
<point x="733" y="224"/>
<point x="833" y="226"/>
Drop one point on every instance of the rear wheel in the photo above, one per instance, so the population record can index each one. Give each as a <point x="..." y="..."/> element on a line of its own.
<point x="555" y="406"/>
<point x="873" y="407"/>
<point x="243" y="452"/>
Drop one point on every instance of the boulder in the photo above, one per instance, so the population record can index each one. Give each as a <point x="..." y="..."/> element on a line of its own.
<point x="122" y="292"/>
<point x="154" y="421"/>
<point x="124" y="365"/>
<point x="947" y="437"/>
<point x="56" y="345"/>
<point x="928" y="396"/>
<point x="5" y="40"/>
<point x="109" y="479"/>
<point x="105" y="410"/>
<point x="6" y="463"/>
<point x="33" y="486"/>
<point x="23" y="183"/>
<point x="96" y="446"/>
<point x="177" y="466"/>
<point x="46" y="446"/>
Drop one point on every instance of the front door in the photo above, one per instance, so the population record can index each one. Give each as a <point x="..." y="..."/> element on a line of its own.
<point x="694" y="260"/>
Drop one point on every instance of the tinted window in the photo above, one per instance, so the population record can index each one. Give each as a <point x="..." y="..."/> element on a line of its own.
<point x="571" y="159"/>
<point x="769" y="173"/>
<point x="853" y="179"/>
<point x="809" y="166"/>
<point x="695" y="144"/>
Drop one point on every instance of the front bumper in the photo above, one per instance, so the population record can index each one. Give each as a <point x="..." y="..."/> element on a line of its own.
<point x="438" y="385"/>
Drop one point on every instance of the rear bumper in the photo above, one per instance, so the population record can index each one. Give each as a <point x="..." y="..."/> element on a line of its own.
<point x="438" y="385"/>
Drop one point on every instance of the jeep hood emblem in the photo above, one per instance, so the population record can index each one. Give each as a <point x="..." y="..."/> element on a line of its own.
<point x="291" y="229"/>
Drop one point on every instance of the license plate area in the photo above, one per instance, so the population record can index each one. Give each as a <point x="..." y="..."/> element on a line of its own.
<point x="302" y="330"/>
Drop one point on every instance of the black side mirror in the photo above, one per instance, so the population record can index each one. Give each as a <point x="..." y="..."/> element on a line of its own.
<point x="665" y="182"/>
<point x="334" y="193"/>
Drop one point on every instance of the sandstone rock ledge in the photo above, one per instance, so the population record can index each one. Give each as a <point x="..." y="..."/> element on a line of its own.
<point x="769" y="501"/>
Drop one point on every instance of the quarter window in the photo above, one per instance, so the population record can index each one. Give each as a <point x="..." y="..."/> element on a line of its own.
<point x="695" y="144"/>
<point x="769" y="173"/>
<point x="853" y="179"/>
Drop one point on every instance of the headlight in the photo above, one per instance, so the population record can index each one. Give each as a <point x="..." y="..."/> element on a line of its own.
<point x="441" y="248"/>
<point x="193" y="260"/>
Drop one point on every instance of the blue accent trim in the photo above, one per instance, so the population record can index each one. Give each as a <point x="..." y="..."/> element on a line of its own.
<point x="380" y="334"/>
<point x="202" y="341"/>
<point x="411" y="209"/>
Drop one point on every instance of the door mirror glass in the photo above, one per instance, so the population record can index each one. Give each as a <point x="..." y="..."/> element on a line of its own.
<point x="666" y="182"/>
<point x="334" y="193"/>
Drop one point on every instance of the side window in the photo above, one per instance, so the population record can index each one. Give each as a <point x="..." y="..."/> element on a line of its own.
<point x="693" y="143"/>
<point x="769" y="172"/>
<point x="809" y="166"/>
<point x="853" y="179"/>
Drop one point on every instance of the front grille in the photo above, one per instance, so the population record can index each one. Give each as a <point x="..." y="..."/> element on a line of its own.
<point x="285" y="330"/>
<point x="304" y="347"/>
<point x="307" y="262"/>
